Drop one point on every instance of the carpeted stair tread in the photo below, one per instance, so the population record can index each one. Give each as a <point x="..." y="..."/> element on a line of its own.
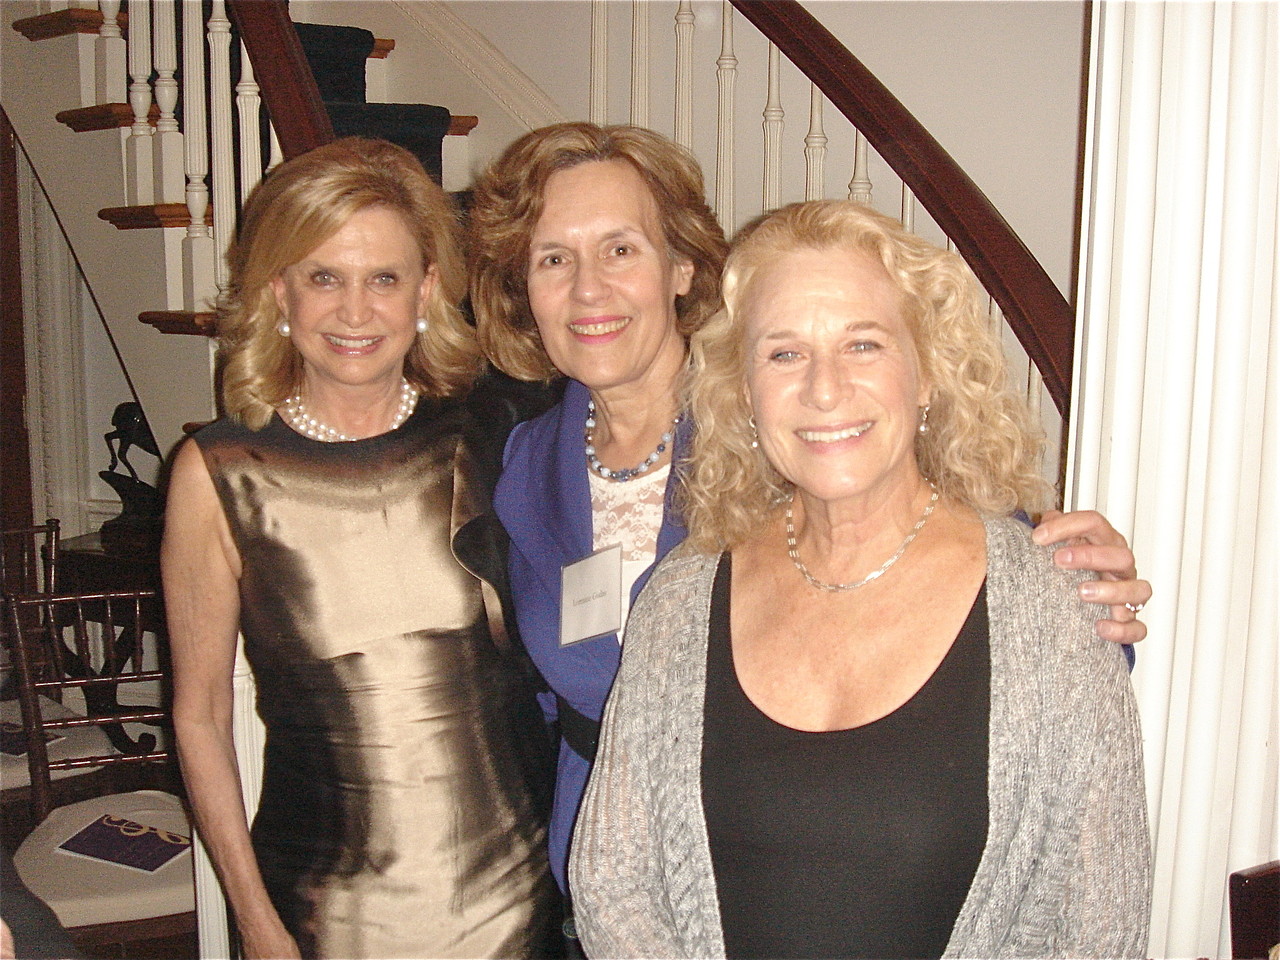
<point x="337" y="56"/>
<point x="418" y="127"/>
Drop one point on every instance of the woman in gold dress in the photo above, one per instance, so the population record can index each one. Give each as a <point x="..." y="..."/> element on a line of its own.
<point x="338" y="517"/>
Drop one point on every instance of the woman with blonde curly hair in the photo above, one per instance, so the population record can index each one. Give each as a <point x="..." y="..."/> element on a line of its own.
<point x="982" y="446"/>
<point x="859" y="712"/>
<point x="594" y="258"/>
<point x="338" y="517"/>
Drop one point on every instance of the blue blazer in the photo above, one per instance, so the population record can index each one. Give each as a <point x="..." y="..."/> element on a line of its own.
<point x="544" y="501"/>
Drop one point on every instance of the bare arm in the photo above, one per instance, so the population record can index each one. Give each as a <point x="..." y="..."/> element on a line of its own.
<point x="201" y="571"/>
<point x="1093" y="544"/>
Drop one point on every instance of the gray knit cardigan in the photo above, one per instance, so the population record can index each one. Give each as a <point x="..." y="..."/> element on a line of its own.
<point x="1066" y="867"/>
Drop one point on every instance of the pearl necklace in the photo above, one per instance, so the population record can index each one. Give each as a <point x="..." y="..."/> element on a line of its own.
<point x="631" y="473"/>
<point x="840" y="587"/>
<point x="296" y="413"/>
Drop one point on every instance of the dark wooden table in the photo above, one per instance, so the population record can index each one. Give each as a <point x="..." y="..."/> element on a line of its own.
<point x="86" y="564"/>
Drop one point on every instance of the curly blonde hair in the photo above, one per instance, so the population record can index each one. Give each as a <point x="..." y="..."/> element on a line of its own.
<point x="300" y="205"/>
<point x="982" y="448"/>
<point x="507" y="203"/>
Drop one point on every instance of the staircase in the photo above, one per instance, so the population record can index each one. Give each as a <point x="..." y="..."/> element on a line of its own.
<point x="131" y="196"/>
<point x="186" y="222"/>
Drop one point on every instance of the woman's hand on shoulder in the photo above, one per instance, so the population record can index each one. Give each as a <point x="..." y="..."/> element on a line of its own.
<point x="1093" y="544"/>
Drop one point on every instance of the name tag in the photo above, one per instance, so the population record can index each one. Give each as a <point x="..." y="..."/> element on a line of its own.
<point x="591" y="596"/>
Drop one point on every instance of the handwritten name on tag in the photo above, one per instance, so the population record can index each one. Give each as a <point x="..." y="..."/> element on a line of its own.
<point x="590" y="596"/>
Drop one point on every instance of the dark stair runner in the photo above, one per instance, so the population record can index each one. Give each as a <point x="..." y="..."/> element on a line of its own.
<point x="337" y="56"/>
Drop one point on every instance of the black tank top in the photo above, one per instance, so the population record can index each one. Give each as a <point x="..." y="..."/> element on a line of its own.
<point x="846" y="843"/>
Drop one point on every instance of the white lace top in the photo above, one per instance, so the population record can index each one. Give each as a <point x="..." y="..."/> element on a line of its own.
<point x="629" y="514"/>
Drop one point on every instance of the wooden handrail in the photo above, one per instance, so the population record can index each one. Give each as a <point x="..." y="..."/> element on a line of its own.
<point x="288" y="87"/>
<point x="1033" y="306"/>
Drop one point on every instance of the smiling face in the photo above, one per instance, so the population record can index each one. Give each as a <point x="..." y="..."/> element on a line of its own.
<point x="832" y="375"/>
<point x="601" y="283"/>
<point x="353" y="302"/>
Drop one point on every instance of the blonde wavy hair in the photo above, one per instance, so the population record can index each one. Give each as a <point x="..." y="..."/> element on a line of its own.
<point x="296" y="208"/>
<point x="982" y="447"/>
<point x="507" y="203"/>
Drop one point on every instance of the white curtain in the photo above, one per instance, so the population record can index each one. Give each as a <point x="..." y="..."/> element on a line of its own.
<point x="1176" y="416"/>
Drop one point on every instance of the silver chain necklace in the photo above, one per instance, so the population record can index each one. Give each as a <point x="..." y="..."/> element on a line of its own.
<point x="813" y="581"/>
<point x="296" y="413"/>
<point x="629" y="473"/>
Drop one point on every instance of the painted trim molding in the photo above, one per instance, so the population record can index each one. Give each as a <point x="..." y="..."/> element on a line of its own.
<point x="521" y="98"/>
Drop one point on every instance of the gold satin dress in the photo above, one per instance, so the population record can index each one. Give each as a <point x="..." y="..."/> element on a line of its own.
<point x="399" y="813"/>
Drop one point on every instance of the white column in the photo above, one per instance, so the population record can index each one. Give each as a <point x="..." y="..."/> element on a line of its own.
<point x="1176" y="416"/>
<point x="599" y="91"/>
<point x="860" y="182"/>
<point x="198" y="253"/>
<point x="276" y="154"/>
<point x="110" y="56"/>
<point x="170" y="184"/>
<point x="726" y="78"/>
<point x="639" y="114"/>
<point x="248" y="112"/>
<point x="815" y="149"/>
<point x="684" y="74"/>
<point x="221" y="145"/>
<point x="772" y="126"/>
<point x="907" y="211"/>
<point x="139" y="162"/>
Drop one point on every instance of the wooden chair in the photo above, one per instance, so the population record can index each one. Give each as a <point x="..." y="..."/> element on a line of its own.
<point x="28" y="565"/>
<point x="1255" y="910"/>
<point x="91" y="646"/>
<point x="29" y="560"/>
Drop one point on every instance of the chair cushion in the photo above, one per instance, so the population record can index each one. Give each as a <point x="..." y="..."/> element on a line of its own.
<point x="83" y="890"/>
<point x="75" y="742"/>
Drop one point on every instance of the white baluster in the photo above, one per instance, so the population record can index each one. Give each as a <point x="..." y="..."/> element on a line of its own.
<point x="599" y="61"/>
<point x="639" y="63"/>
<point x="248" y="109"/>
<point x="726" y="77"/>
<point x="995" y="316"/>
<point x="684" y="74"/>
<point x="277" y="154"/>
<point x="221" y="147"/>
<point x="198" y="253"/>
<point x="773" y="115"/>
<point x="110" y="69"/>
<point x="908" y="208"/>
<point x="169" y="184"/>
<point x="815" y="149"/>
<point x="860" y="183"/>
<point x="139" y="188"/>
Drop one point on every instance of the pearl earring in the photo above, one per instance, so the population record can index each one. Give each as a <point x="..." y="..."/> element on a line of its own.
<point x="421" y="325"/>
<point x="755" y="437"/>
<point x="282" y="328"/>
<point x="924" y="419"/>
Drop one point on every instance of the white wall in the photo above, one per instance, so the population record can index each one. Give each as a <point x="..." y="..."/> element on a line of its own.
<point x="999" y="85"/>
